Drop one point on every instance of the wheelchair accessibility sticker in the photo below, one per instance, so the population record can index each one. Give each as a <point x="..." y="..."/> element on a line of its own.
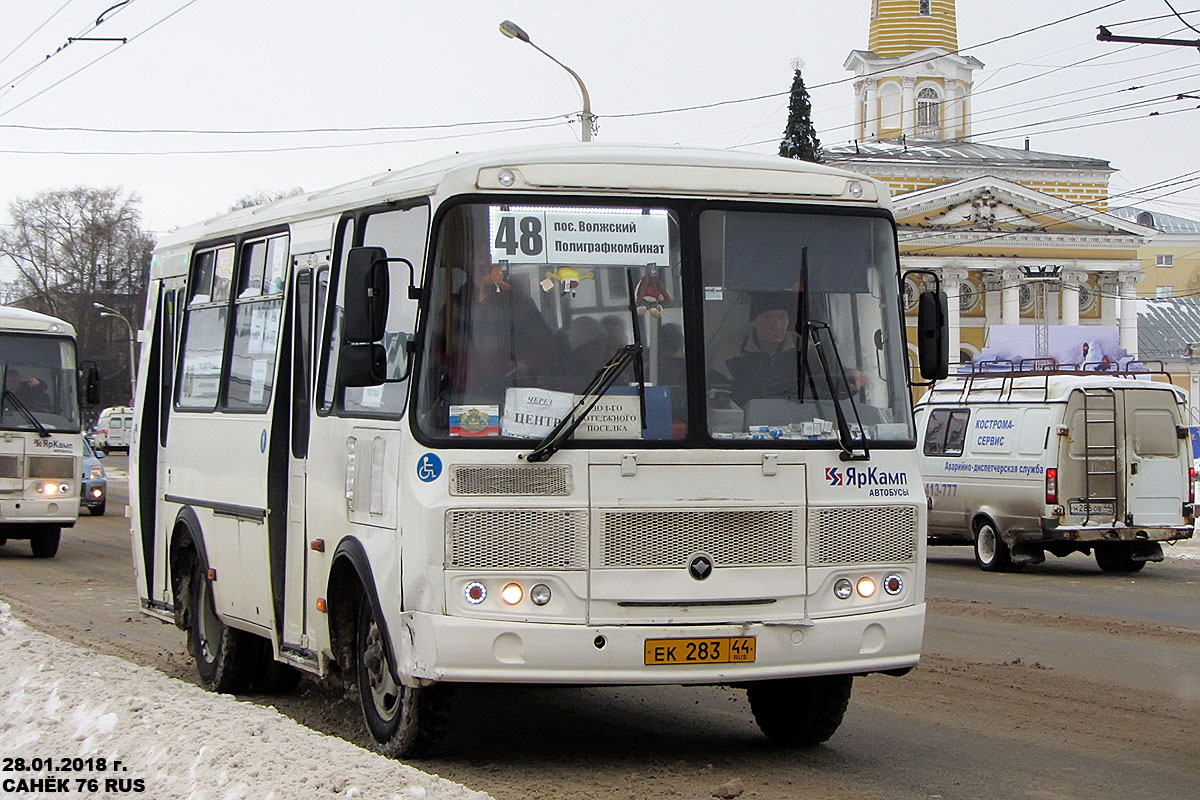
<point x="429" y="467"/>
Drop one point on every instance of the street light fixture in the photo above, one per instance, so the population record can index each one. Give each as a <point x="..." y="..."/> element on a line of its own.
<point x="586" y="119"/>
<point x="105" y="311"/>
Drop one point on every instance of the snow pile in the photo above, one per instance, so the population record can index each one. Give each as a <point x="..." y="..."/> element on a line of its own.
<point x="60" y="701"/>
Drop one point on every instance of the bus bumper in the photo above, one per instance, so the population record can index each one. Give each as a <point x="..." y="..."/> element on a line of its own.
<point x="434" y="648"/>
<point x="61" y="511"/>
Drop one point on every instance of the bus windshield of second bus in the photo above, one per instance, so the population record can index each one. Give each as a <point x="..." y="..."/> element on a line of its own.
<point x="529" y="302"/>
<point x="40" y="387"/>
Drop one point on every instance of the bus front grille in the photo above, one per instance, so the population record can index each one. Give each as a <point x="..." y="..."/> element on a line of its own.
<point x="51" y="467"/>
<point x="862" y="535"/>
<point x="10" y="466"/>
<point x="541" y="481"/>
<point x="745" y="537"/>
<point x="516" y="539"/>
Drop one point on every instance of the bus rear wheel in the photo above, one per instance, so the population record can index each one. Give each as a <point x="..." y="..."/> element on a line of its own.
<point x="800" y="712"/>
<point x="403" y="720"/>
<point x="1116" y="558"/>
<point x="44" y="541"/>
<point x="224" y="656"/>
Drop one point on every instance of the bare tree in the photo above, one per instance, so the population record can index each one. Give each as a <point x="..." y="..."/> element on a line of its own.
<point x="75" y="247"/>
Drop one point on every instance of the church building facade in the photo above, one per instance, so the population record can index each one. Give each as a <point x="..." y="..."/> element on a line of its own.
<point x="1018" y="237"/>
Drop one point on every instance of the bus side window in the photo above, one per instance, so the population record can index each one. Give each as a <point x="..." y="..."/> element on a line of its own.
<point x="204" y="326"/>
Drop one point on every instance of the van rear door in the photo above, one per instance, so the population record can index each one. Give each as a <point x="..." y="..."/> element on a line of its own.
<point x="1157" y="468"/>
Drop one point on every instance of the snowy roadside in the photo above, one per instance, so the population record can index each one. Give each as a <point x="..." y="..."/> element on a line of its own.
<point x="62" y="702"/>
<point x="1188" y="548"/>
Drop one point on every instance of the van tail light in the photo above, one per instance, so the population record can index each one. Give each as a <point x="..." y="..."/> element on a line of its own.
<point x="1192" y="485"/>
<point x="1051" y="486"/>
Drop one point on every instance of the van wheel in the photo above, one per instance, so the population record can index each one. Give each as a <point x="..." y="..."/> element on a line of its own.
<point x="224" y="656"/>
<point x="3" y="541"/>
<point x="44" y="541"/>
<point x="403" y="720"/>
<point x="1116" y="558"/>
<point x="991" y="553"/>
<point x="98" y="511"/>
<point x="800" y="712"/>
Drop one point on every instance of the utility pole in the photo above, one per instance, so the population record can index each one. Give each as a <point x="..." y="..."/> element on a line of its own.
<point x="105" y="311"/>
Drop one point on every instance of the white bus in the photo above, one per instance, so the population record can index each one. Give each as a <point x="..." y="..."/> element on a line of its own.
<point x="502" y="418"/>
<point x="41" y="441"/>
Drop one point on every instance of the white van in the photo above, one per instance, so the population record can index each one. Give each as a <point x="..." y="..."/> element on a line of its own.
<point x="1027" y="462"/>
<point x="114" y="428"/>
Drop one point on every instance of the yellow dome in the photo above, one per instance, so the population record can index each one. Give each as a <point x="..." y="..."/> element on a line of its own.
<point x="900" y="27"/>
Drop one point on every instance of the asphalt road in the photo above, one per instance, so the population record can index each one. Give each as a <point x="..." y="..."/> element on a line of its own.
<point x="1058" y="682"/>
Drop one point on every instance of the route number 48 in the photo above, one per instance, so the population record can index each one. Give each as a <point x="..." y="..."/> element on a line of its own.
<point x="524" y="234"/>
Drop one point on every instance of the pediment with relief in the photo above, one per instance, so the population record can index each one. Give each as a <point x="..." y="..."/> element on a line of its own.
<point x="993" y="204"/>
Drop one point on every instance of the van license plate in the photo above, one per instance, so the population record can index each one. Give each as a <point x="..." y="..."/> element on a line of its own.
<point x="1096" y="509"/>
<point x="724" y="650"/>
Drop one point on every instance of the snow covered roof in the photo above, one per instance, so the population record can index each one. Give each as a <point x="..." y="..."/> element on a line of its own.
<point x="1165" y="223"/>
<point x="1168" y="327"/>
<point x="958" y="153"/>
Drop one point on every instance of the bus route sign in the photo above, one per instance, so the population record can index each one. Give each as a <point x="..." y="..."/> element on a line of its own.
<point x="579" y="237"/>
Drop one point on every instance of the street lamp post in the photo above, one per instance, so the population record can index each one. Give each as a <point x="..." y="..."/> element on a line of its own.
<point x="105" y="311"/>
<point x="586" y="119"/>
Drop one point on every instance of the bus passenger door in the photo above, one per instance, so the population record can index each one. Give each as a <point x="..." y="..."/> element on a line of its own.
<point x="297" y="550"/>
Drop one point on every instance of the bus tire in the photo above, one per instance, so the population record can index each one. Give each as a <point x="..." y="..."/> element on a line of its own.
<point x="224" y="655"/>
<point x="3" y="541"/>
<point x="991" y="553"/>
<point x="1116" y="558"/>
<point x="44" y="541"/>
<point x="800" y="712"/>
<point x="403" y="720"/>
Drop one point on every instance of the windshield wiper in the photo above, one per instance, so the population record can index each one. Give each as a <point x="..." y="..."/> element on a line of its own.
<point x="605" y="379"/>
<point x="845" y="437"/>
<point x="17" y="404"/>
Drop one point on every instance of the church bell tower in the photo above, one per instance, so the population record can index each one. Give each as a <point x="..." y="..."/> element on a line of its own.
<point x="911" y="82"/>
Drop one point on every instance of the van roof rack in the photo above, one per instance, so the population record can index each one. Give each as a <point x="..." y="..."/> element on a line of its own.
<point x="1005" y="380"/>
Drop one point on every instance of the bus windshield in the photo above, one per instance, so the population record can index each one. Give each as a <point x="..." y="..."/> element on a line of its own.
<point x="799" y="325"/>
<point x="39" y="377"/>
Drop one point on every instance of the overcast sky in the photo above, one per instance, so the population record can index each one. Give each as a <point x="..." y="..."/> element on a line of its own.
<point x="250" y="65"/>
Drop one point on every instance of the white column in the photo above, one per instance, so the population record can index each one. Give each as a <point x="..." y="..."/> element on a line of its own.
<point x="1129" y="314"/>
<point x="870" y="127"/>
<point x="1010" y="313"/>
<point x="1069" y="297"/>
<point x="1109" y="288"/>
<point x="992" y="297"/>
<point x="952" y="280"/>
<point x="908" y="120"/>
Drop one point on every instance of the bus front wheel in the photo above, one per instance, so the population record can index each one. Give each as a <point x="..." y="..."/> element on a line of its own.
<point x="44" y="541"/>
<point x="800" y="712"/>
<point x="223" y="655"/>
<point x="403" y="720"/>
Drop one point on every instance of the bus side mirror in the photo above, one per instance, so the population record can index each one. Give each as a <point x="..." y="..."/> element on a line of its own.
<point x="933" y="335"/>
<point x="362" y="365"/>
<point x="91" y="383"/>
<point x="366" y="294"/>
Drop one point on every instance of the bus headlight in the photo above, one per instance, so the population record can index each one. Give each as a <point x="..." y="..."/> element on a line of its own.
<point x="865" y="586"/>
<point x="52" y="488"/>
<point x="540" y="594"/>
<point x="512" y="593"/>
<point x="893" y="584"/>
<point x="842" y="589"/>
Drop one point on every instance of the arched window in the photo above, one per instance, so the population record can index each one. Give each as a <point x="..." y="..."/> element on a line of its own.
<point x="929" y="123"/>
<point x="925" y="8"/>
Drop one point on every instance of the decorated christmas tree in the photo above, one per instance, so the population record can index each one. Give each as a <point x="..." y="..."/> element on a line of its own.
<point x="800" y="137"/>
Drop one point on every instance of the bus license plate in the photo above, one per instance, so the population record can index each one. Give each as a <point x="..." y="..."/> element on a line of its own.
<point x="725" y="650"/>
<point x="1101" y="509"/>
